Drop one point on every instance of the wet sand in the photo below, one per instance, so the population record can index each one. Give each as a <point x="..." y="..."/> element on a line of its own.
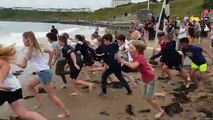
<point x="113" y="106"/>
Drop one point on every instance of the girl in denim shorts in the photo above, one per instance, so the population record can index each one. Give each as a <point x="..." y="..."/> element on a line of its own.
<point x="37" y="56"/>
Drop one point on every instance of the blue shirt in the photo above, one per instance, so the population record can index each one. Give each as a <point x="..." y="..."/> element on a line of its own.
<point x="195" y="54"/>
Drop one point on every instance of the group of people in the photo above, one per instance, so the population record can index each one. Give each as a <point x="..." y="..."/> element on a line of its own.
<point x="75" y="56"/>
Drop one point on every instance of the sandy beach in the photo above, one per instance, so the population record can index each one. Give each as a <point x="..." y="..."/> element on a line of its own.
<point x="116" y="105"/>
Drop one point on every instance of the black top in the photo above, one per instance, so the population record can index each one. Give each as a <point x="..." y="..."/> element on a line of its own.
<point x="54" y="30"/>
<point x="109" y="56"/>
<point x="100" y="51"/>
<point x="85" y="52"/>
<point x="169" y="54"/>
<point x="67" y="50"/>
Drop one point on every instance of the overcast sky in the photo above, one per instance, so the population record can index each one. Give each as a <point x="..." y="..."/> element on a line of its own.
<point x="93" y="4"/>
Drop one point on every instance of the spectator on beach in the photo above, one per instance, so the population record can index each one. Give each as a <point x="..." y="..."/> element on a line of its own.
<point x="37" y="56"/>
<point x="181" y="34"/>
<point x="177" y="26"/>
<point x="199" y="64"/>
<point x="197" y="32"/>
<point x="151" y="30"/>
<point x="191" y="29"/>
<point x="96" y="31"/>
<point x="135" y="35"/>
<point x="148" y="76"/>
<point x="10" y="87"/>
<point x="57" y="58"/>
<point x="54" y="30"/>
<point x="211" y="37"/>
<point x="170" y="30"/>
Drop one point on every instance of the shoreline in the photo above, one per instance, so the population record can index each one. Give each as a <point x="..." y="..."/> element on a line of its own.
<point x="77" y="22"/>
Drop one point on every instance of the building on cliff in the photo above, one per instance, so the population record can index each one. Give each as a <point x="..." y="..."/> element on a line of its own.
<point x="120" y="2"/>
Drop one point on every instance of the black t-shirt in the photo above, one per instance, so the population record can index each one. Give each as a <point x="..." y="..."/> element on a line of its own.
<point x="109" y="56"/>
<point x="54" y="30"/>
<point x="195" y="54"/>
<point x="170" y="54"/>
<point x="170" y="27"/>
<point x="100" y="52"/>
<point x="67" y="50"/>
<point x="84" y="49"/>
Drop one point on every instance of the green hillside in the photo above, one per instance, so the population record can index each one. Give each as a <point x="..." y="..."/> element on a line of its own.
<point x="178" y="8"/>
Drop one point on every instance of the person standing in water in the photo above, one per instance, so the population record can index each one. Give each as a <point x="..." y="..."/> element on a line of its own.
<point x="36" y="55"/>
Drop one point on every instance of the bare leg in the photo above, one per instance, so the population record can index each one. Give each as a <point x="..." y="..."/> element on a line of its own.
<point x="166" y="70"/>
<point x="154" y="105"/>
<point x="84" y="83"/>
<point x="56" y="100"/>
<point x="75" y="87"/>
<point x="195" y="79"/>
<point x="31" y="88"/>
<point x="185" y="76"/>
<point x="162" y="94"/>
<point x="22" y="112"/>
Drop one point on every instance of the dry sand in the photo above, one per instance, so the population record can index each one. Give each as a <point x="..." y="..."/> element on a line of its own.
<point x="89" y="106"/>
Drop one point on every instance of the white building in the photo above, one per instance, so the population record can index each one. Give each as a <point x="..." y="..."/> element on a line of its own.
<point x="120" y="2"/>
<point x="23" y="8"/>
<point x="64" y="9"/>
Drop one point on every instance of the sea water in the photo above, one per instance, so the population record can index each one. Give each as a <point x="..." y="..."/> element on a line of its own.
<point x="11" y="32"/>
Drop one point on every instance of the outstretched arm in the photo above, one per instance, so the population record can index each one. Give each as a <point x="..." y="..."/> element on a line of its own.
<point x="23" y="64"/>
<point x="50" y="56"/>
<point x="73" y="56"/>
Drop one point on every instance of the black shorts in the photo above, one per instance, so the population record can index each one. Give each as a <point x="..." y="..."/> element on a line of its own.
<point x="176" y="64"/>
<point x="10" y="97"/>
<point x="74" y="72"/>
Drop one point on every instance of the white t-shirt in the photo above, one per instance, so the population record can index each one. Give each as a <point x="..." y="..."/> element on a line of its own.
<point x="182" y="33"/>
<point x="40" y="61"/>
<point x="12" y="81"/>
<point x="94" y="43"/>
<point x="124" y="47"/>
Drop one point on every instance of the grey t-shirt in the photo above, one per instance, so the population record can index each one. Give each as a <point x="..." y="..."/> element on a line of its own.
<point x="56" y="46"/>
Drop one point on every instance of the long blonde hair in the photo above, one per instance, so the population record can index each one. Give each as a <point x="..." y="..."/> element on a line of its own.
<point x="7" y="53"/>
<point x="34" y="45"/>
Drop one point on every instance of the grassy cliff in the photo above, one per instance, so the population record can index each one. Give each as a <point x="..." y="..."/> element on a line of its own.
<point x="178" y="8"/>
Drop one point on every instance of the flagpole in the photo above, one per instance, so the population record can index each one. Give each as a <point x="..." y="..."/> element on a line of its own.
<point x="148" y="1"/>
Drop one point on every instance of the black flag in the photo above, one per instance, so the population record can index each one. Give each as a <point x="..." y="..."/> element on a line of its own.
<point x="165" y="14"/>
